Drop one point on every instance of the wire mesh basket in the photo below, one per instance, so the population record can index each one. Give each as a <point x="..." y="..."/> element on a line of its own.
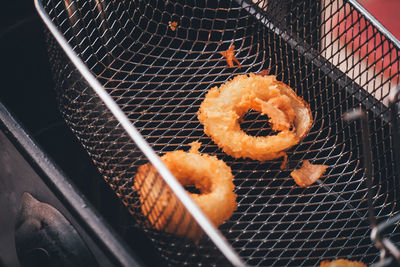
<point x="331" y="52"/>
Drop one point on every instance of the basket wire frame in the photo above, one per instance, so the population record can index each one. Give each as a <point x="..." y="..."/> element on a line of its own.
<point x="389" y="252"/>
<point x="327" y="51"/>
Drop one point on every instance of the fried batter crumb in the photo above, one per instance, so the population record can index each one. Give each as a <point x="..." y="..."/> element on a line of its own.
<point x="308" y="173"/>
<point x="230" y="57"/>
<point x="264" y="72"/>
<point x="284" y="162"/>
<point x="173" y="25"/>
<point x="194" y="147"/>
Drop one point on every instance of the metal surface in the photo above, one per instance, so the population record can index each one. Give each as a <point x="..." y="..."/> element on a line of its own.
<point x="158" y="78"/>
<point x="44" y="237"/>
<point x="360" y="115"/>
<point x="390" y="253"/>
<point x="26" y="168"/>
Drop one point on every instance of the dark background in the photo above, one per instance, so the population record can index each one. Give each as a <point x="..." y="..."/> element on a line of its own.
<point x="27" y="90"/>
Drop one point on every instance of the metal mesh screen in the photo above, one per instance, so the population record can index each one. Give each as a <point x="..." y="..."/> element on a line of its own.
<point x="327" y="51"/>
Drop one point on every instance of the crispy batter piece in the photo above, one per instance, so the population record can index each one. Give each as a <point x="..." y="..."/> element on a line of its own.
<point x="230" y="57"/>
<point x="194" y="147"/>
<point x="308" y="173"/>
<point x="172" y="25"/>
<point x="284" y="162"/>
<point x="264" y="72"/>
<point x="280" y="112"/>
<point x="342" y="263"/>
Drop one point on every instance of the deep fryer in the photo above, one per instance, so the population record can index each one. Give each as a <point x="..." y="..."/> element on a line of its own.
<point x="332" y="53"/>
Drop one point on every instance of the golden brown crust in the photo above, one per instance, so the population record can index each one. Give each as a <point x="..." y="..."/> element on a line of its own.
<point x="280" y="112"/>
<point x="303" y="120"/>
<point x="212" y="177"/>
<point x="342" y="263"/>
<point x="223" y="106"/>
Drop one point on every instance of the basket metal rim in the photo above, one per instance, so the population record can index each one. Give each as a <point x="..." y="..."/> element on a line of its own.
<point x="382" y="29"/>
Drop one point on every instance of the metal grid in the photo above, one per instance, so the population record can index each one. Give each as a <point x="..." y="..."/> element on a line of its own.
<point x="159" y="78"/>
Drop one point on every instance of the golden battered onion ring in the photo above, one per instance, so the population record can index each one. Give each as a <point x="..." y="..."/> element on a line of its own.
<point x="224" y="106"/>
<point x="342" y="263"/>
<point x="211" y="176"/>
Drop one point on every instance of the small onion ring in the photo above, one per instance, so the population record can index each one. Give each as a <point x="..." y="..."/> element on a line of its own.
<point x="211" y="176"/>
<point x="342" y="263"/>
<point x="224" y="106"/>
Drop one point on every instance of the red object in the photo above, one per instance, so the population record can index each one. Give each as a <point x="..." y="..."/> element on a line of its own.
<point x="386" y="12"/>
<point x="356" y="33"/>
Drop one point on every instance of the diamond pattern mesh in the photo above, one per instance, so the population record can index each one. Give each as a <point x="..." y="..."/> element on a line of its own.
<point x="327" y="51"/>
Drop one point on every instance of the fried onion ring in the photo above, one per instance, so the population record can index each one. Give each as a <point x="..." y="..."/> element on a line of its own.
<point x="211" y="176"/>
<point x="308" y="173"/>
<point x="224" y="106"/>
<point x="342" y="263"/>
